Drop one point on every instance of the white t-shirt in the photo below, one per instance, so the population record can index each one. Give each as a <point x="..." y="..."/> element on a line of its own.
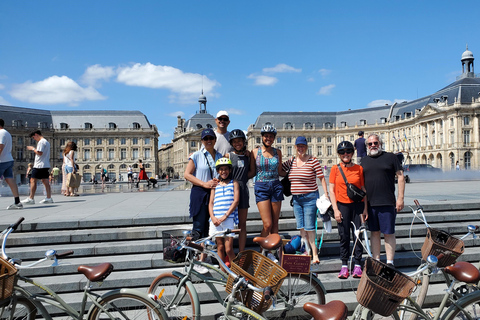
<point x="223" y="145"/>
<point x="42" y="161"/>
<point x="6" y="140"/>
<point x="68" y="159"/>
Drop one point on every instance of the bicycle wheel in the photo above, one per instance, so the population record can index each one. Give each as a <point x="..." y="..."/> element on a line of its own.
<point x="18" y="308"/>
<point x="362" y="313"/>
<point x="243" y="313"/>
<point x="165" y="286"/>
<point x="296" y="290"/>
<point x="123" y="306"/>
<point x="466" y="308"/>
<point x="418" y="295"/>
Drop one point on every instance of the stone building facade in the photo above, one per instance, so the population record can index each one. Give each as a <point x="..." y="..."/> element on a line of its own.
<point x="439" y="129"/>
<point x="112" y="139"/>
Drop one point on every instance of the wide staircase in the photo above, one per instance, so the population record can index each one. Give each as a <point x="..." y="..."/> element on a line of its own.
<point x="135" y="250"/>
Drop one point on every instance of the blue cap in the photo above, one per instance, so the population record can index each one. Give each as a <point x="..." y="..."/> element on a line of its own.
<point x="301" y="140"/>
<point x="208" y="132"/>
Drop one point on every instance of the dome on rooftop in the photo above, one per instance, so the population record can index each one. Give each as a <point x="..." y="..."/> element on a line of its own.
<point x="467" y="55"/>
<point x="202" y="98"/>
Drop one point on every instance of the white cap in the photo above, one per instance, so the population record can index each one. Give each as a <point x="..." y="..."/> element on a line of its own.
<point x="222" y="113"/>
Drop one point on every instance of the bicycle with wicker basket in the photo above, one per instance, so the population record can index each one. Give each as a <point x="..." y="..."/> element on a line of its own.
<point x="177" y="293"/>
<point x="21" y="302"/>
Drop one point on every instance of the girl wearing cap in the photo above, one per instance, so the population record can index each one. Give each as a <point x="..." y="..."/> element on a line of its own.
<point x="200" y="171"/>
<point x="223" y="208"/>
<point x="304" y="170"/>
<point x="268" y="188"/>
<point x="347" y="211"/>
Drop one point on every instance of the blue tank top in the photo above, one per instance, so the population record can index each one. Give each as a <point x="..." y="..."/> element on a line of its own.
<point x="267" y="168"/>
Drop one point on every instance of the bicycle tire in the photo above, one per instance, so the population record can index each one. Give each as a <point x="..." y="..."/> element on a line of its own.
<point x="362" y="313"/>
<point x="468" y="307"/>
<point x="185" y="304"/>
<point x="21" y="307"/>
<point x="241" y="312"/>
<point x="419" y="298"/>
<point x="296" y="290"/>
<point x="127" y="306"/>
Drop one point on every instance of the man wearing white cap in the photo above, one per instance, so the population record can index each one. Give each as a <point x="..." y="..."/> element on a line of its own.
<point x="222" y="145"/>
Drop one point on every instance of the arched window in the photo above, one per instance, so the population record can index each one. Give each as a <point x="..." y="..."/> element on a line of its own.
<point x="111" y="166"/>
<point x="467" y="160"/>
<point x="123" y="166"/>
<point x="328" y="125"/>
<point x="199" y="126"/>
<point x="112" y="125"/>
<point x="209" y="126"/>
<point x="63" y="126"/>
<point x="136" y="125"/>
<point x="308" y="125"/>
<point x="88" y="125"/>
<point x="452" y="160"/>
<point x="86" y="167"/>
<point x="288" y="125"/>
<point x="363" y="122"/>
<point x="147" y="165"/>
<point x="343" y="124"/>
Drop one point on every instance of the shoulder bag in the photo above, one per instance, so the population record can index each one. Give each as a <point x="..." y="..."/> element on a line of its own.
<point x="286" y="183"/>
<point x="353" y="192"/>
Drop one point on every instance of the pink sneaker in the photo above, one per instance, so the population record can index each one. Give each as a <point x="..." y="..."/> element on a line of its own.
<point x="357" y="272"/>
<point x="343" y="273"/>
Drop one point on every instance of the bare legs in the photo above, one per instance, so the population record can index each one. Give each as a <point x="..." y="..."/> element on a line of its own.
<point x="390" y="243"/>
<point x="242" y="225"/>
<point x="13" y="186"/>
<point x="33" y="187"/>
<point x="270" y="213"/>
<point x="310" y="237"/>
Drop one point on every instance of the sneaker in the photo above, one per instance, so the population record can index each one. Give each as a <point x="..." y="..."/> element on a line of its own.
<point x="357" y="272"/>
<point x="200" y="269"/>
<point x="343" y="273"/>
<point x="15" y="206"/>
<point x="47" y="200"/>
<point x="272" y="257"/>
<point x="28" y="201"/>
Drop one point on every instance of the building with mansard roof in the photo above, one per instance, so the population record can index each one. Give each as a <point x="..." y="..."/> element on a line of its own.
<point x="439" y="129"/>
<point x="112" y="139"/>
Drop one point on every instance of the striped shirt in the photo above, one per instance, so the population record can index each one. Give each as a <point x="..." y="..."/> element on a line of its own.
<point x="224" y="196"/>
<point x="304" y="178"/>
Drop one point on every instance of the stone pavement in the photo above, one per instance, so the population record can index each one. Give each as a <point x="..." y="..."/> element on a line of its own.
<point x="166" y="205"/>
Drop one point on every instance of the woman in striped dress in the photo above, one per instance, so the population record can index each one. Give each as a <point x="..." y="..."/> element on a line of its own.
<point x="223" y="204"/>
<point x="304" y="171"/>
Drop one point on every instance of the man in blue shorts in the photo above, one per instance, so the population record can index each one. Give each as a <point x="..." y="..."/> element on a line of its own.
<point x="379" y="169"/>
<point x="6" y="165"/>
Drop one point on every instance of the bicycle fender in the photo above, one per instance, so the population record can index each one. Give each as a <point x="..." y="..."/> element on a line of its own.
<point x="134" y="292"/>
<point x="192" y="289"/>
<point x="459" y="302"/>
<point x="315" y="278"/>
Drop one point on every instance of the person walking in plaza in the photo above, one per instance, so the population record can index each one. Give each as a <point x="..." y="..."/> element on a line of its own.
<point x="303" y="171"/>
<point x="346" y="210"/>
<point x="224" y="199"/>
<point x="41" y="166"/>
<point x="222" y="145"/>
<point x="242" y="170"/>
<point x="69" y="165"/>
<point x="360" y="147"/>
<point x="129" y="174"/>
<point x="380" y="168"/>
<point x="6" y="165"/>
<point x="200" y="171"/>
<point x="268" y="188"/>
<point x="142" y="175"/>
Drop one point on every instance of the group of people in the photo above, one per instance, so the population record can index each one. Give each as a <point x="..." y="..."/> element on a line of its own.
<point x="219" y="198"/>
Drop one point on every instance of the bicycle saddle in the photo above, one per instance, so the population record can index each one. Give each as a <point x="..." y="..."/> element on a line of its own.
<point x="271" y="242"/>
<point x="464" y="271"/>
<point x="334" y="310"/>
<point x="96" y="273"/>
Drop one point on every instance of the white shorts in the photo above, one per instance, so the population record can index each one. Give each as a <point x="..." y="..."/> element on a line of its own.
<point x="227" y="224"/>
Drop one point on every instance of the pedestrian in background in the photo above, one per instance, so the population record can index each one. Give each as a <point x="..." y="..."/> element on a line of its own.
<point x="6" y="165"/>
<point x="69" y="165"/>
<point x="360" y="146"/>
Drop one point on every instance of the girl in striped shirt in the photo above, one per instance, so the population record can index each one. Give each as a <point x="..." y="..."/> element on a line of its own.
<point x="223" y="211"/>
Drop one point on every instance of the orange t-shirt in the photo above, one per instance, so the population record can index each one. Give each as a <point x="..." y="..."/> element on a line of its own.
<point x="354" y="176"/>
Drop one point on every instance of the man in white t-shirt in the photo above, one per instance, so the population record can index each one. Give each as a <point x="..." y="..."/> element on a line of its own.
<point x="6" y="165"/>
<point x="222" y="145"/>
<point x="41" y="166"/>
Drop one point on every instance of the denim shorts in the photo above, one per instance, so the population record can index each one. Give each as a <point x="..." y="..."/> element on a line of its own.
<point x="68" y="169"/>
<point x="269" y="190"/>
<point x="382" y="218"/>
<point x="305" y="210"/>
<point x="6" y="169"/>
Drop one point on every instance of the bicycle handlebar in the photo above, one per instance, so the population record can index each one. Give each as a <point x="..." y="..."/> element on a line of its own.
<point x="16" y="224"/>
<point x="64" y="254"/>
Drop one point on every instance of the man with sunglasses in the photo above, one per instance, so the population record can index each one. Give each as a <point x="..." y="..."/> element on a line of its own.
<point x="379" y="169"/>
<point x="222" y="145"/>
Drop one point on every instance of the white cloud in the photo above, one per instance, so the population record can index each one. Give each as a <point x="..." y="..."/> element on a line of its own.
<point x="382" y="102"/>
<point x="184" y="86"/>
<point x="261" y="80"/>
<point x="164" y="134"/>
<point x="281" y="68"/>
<point x="234" y="111"/>
<point x="311" y="79"/>
<point x="2" y="86"/>
<point x="326" y="90"/>
<point x="95" y="73"/>
<point x="4" y="102"/>
<point x="54" y="90"/>
<point x="176" y="114"/>
<point x="324" y="72"/>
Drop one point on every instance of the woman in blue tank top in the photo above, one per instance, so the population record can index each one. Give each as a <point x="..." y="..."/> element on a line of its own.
<point x="268" y="189"/>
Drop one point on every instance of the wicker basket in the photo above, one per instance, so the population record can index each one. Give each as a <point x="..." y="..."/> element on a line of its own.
<point x="261" y="272"/>
<point x="383" y="288"/>
<point x="7" y="278"/>
<point x="437" y="242"/>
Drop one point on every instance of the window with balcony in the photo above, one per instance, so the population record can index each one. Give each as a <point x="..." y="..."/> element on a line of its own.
<point x="466" y="121"/>
<point x="111" y="154"/>
<point x="466" y="137"/>
<point x="146" y="153"/>
<point x="329" y="150"/>
<point x="123" y="154"/>
<point x="86" y="154"/>
<point x="135" y="153"/>
<point x="99" y="154"/>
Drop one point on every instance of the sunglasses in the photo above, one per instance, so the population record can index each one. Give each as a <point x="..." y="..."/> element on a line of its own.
<point x="223" y="119"/>
<point x="374" y="143"/>
<point x="348" y="151"/>
<point x="208" y="138"/>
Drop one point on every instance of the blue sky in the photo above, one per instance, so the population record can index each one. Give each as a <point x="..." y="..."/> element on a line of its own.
<point x="250" y="56"/>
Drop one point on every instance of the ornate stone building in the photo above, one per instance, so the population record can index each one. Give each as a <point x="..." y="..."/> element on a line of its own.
<point x="439" y="129"/>
<point x="113" y="139"/>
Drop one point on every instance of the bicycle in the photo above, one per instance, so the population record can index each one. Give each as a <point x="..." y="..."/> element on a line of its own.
<point x="179" y="297"/>
<point x="117" y="304"/>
